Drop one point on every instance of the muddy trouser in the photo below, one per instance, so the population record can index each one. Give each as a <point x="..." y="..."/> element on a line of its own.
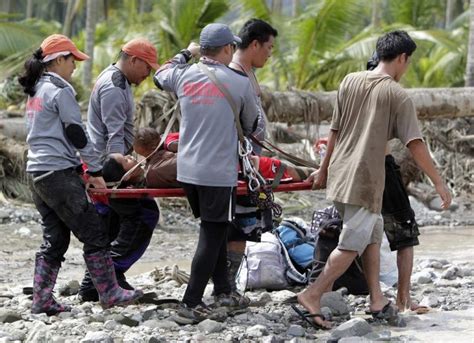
<point x="131" y="223"/>
<point x="61" y="200"/>
<point x="399" y="218"/>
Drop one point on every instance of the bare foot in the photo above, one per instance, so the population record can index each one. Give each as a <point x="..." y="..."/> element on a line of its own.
<point x="409" y="305"/>
<point x="313" y="307"/>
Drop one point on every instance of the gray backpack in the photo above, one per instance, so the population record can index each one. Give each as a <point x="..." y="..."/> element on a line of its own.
<point x="264" y="265"/>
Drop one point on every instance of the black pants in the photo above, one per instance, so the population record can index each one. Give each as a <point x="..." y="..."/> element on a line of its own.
<point x="210" y="260"/>
<point x="131" y="223"/>
<point x="61" y="200"/>
<point x="215" y="206"/>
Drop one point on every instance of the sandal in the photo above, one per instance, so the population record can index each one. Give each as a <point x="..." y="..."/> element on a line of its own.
<point x="388" y="312"/>
<point x="305" y="315"/>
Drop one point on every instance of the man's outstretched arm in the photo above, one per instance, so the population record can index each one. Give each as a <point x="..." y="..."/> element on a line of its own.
<point x="423" y="159"/>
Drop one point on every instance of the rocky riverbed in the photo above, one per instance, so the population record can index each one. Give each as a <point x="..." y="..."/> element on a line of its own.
<point x="443" y="279"/>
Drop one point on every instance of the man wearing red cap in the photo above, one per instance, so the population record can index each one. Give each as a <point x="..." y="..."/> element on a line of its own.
<point x="110" y="125"/>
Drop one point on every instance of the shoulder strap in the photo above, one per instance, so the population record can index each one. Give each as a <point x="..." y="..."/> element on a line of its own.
<point x="173" y="110"/>
<point x="227" y="95"/>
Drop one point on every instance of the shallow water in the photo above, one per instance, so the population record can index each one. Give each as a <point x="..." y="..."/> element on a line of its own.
<point x="454" y="244"/>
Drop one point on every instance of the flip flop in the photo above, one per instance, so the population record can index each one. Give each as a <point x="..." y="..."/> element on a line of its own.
<point x="419" y="309"/>
<point x="388" y="312"/>
<point x="151" y="298"/>
<point x="305" y="315"/>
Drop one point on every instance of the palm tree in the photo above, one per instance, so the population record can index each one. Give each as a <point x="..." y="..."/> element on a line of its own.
<point x="90" y="36"/>
<point x="470" y="50"/>
<point x="181" y="21"/>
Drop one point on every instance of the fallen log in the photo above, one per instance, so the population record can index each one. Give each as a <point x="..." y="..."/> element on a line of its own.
<point x="313" y="107"/>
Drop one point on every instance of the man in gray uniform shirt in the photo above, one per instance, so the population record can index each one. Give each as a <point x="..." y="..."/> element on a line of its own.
<point x="110" y="125"/>
<point x="208" y="137"/>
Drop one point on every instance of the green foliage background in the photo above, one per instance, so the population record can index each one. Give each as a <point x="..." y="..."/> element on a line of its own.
<point x="319" y="41"/>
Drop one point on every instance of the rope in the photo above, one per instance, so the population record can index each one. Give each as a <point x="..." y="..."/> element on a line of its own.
<point x="170" y="273"/>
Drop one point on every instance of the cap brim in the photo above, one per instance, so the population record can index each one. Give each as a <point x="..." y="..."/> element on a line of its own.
<point x="237" y="39"/>
<point x="79" y="56"/>
<point x="153" y="66"/>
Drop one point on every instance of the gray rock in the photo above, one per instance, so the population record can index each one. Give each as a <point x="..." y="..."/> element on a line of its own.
<point x="149" y="313"/>
<point x="152" y="323"/>
<point x="4" y="215"/>
<point x="71" y="288"/>
<point x="65" y="315"/>
<point x="335" y="302"/>
<point x="354" y="327"/>
<point x="154" y="339"/>
<point x="280" y="296"/>
<point x="256" y="331"/>
<point x="167" y="324"/>
<point x="210" y="326"/>
<point x="243" y="317"/>
<point x="326" y="312"/>
<point x="110" y="324"/>
<point x="430" y="300"/>
<point x="422" y="277"/>
<point x="271" y="339"/>
<point x="264" y="298"/>
<point x="119" y="318"/>
<point x="198" y="337"/>
<point x="381" y="336"/>
<point x="9" y="316"/>
<point x="97" y="337"/>
<point x="39" y="333"/>
<point x="447" y="283"/>
<point x="398" y="322"/>
<point x="16" y="335"/>
<point x="451" y="273"/>
<point x="296" y="331"/>
<point x="353" y="339"/>
<point x="436" y="265"/>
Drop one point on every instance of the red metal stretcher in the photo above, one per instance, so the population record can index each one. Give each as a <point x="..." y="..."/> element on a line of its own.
<point x="178" y="192"/>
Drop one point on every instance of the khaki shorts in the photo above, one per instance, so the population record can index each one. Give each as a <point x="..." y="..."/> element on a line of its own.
<point x="360" y="227"/>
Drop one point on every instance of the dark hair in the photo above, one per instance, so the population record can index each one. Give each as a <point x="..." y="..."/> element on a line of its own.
<point x="373" y="61"/>
<point x="211" y="50"/>
<point x="122" y="55"/>
<point x="256" y="29"/>
<point x="393" y="44"/>
<point x="146" y="136"/>
<point x="112" y="170"/>
<point x="34" y="68"/>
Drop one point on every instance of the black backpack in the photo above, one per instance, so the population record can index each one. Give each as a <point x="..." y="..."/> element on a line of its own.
<point x="327" y="224"/>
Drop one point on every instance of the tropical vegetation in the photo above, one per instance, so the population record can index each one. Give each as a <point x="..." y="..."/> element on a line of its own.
<point x="319" y="41"/>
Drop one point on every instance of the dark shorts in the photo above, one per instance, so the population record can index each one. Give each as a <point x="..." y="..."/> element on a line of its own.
<point x="399" y="218"/>
<point x="212" y="204"/>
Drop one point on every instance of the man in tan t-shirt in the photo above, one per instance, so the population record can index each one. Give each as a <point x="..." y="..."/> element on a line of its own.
<point x="371" y="108"/>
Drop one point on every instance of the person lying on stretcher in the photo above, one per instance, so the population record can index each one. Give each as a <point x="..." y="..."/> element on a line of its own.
<point x="160" y="169"/>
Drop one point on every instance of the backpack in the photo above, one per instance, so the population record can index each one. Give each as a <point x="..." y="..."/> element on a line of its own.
<point x="264" y="265"/>
<point x="297" y="247"/>
<point x="327" y="224"/>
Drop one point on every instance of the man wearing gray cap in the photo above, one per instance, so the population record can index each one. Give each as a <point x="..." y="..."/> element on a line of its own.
<point x="208" y="157"/>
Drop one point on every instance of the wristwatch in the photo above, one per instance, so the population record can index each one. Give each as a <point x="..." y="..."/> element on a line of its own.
<point x="187" y="54"/>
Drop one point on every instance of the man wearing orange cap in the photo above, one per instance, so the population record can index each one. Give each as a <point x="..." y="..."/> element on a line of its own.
<point x="110" y="125"/>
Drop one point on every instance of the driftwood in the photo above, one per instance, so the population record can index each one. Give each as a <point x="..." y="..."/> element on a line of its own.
<point x="313" y="107"/>
<point x="13" y="177"/>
